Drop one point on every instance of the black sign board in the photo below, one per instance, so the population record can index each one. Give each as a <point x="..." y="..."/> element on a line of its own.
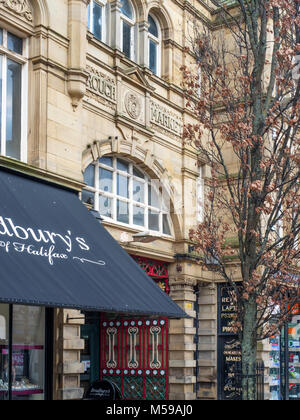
<point x="229" y="348"/>
<point x="103" y="390"/>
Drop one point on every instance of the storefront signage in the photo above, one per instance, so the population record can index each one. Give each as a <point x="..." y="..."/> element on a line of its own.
<point x="162" y="117"/>
<point x="229" y="348"/>
<point x="100" y="84"/>
<point x="42" y="243"/>
<point x="228" y="310"/>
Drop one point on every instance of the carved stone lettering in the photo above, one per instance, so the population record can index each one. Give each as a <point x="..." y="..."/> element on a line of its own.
<point x="164" y="118"/>
<point x="101" y="84"/>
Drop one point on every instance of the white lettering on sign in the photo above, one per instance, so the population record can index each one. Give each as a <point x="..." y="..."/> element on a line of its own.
<point x="44" y="244"/>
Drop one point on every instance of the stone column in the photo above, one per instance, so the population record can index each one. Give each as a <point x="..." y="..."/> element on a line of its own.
<point x="143" y="44"/>
<point x="68" y="344"/>
<point x="77" y="29"/>
<point x="181" y="339"/>
<point x="115" y="12"/>
<point x="207" y="342"/>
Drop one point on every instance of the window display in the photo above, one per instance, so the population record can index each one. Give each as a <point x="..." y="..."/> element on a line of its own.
<point x="294" y="358"/>
<point x="22" y="376"/>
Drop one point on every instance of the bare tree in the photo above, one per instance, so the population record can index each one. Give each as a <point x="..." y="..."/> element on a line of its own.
<point x="248" y="134"/>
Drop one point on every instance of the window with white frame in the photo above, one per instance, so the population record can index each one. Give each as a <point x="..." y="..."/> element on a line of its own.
<point x="154" y="45"/>
<point x="13" y="95"/>
<point x="127" y="29"/>
<point x="121" y="192"/>
<point x="97" y="19"/>
<point x="200" y="196"/>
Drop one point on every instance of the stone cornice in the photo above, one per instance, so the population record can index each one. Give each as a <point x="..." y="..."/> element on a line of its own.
<point x="40" y="174"/>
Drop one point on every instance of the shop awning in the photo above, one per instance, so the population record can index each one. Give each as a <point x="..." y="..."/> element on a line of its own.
<point x="54" y="252"/>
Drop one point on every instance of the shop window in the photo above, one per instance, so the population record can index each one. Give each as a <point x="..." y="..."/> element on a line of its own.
<point x="25" y="371"/>
<point x="127" y="29"/>
<point x="154" y="45"/>
<point x="13" y="95"/>
<point x="97" y="19"/>
<point x="122" y="193"/>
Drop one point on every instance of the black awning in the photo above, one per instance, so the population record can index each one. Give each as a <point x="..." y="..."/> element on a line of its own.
<point x="54" y="252"/>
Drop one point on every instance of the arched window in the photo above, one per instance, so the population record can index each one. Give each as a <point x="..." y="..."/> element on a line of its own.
<point x="121" y="192"/>
<point x="13" y="95"/>
<point x="127" y="29"/>
<point x="97" y="19"/>
<point x="154" y="45"/>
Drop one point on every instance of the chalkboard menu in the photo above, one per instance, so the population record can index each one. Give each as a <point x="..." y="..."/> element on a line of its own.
<point x="229" y="348"/>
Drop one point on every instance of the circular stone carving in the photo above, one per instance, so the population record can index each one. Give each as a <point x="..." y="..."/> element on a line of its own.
<point x="133" y="105"/>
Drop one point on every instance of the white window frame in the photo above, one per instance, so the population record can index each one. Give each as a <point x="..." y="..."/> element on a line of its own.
<point x="91" y="18"/>
<point x="161" y="209"/>
<point x="131" y="23"/>
<point x="23" y="60"/>
<point x="200" y="196"/>
<point x="157" y="41"/>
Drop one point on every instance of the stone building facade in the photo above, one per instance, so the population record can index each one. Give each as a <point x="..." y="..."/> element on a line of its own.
<point x="102" y="79"/>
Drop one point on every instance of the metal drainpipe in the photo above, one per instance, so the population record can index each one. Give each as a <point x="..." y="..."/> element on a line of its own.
<point x="196" y="337"/>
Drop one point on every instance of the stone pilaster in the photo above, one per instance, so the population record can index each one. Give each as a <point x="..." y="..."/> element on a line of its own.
<point x="207" y="342"/>
<point x="181" y="339"/>
<point x="67" y="355"/>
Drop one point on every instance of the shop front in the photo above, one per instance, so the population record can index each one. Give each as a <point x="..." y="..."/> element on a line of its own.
<point x="130" y="351"/>
<point x="55" y="254"/>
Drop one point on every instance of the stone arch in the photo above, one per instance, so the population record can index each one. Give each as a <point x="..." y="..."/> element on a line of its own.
<point x="158" y="10"/>
<point x="40" y="12"/>
<point x="144" y="159"/>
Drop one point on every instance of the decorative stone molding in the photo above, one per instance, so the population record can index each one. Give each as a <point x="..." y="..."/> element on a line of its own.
<point x="21" y="7"/>
<point x="133" y="105"/>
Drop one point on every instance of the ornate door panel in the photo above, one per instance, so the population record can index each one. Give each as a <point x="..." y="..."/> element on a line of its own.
<point x="134" y="355"/>
<point x="134" y="351"/>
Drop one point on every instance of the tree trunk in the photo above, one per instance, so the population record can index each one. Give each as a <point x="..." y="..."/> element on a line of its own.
<point x="248" y="345"/>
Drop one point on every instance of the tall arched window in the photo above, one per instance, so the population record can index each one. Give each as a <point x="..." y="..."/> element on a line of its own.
<point x="97" y="19"/>
<point x="13" y="95"/>
<point x="121" y="192"/>
<point x="127" y="29"/>
<point x="154" y="46"/>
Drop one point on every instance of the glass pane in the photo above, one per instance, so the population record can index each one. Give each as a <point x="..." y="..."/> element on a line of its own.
<point x="28" y="357"/>
<point x="153" y="195"/>
<point x="122" y="186"/>
<point x="4" y="340"/>
<point x="97" y="21"/>
<point x="138" y="216"/>
<point x="153" y="220"/>
<point x="138" y="173"/>
<point x="127" y="39"/>
<point x="122" y="212"/>
<point x="166" y="225"/>
<point x="89" y="175"/>
<point x="152" y="26"/>
<point x="122" y="165"/>
<point x="126" y="9"/>
<point x="105" y="180"/>
<point x="138" y="191"/>
<point x="13" y="109"/>
<point x="153" y="56"/>
<point x="1" y="36"/>
<point x="14" y="43"/>
<point x="88" y="197"/>
<point x="106" y="160"/>
<point x="105" y="206"/>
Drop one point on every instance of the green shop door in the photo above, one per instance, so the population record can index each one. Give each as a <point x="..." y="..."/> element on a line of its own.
<point x="90" y="355"/>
